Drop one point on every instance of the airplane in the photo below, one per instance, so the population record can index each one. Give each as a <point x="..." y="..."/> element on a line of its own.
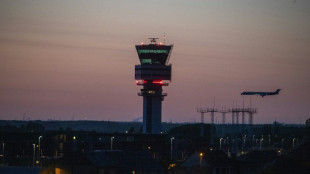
<point x="261" y="93"/>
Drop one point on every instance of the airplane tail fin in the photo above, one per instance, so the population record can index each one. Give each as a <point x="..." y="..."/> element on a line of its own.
<point x="278" y="90"/>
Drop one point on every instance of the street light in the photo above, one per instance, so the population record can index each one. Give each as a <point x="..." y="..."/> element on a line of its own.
<point x="232" y="144"/>
<point x="261" y="142"/>
<point x="112" y="143"/>
<point x="253" y="142"/>
<point x="39" y="154"/>
<point x="294" y="143"/>
<point x="34" y="154"/>
<point x="244" y="140"/>
<point x="3" y="144"/>
<point x="171" y="140"/>
<point x="200" y="155"/>
<point x="221" y="143"/>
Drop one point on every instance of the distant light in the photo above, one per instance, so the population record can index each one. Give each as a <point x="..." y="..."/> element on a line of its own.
<point x="201" y="154"/>
<point x="142" y="43"/>
<point x="160" y="43"/>
<point x="149" y="147"/>
<point x="37" y="162"/>
<point x="171" y="166"/>
<point x="74" y="137"/>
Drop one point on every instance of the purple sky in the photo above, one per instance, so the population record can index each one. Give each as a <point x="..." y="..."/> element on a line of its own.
<point x="66" y="59"/>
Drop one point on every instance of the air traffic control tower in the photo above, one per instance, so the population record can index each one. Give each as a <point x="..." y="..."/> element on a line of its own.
<point x="153" y="73"/>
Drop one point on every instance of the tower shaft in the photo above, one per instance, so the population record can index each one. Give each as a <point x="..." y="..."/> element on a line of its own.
<point x="151" y="115"/>
<point x="152" y="106"/>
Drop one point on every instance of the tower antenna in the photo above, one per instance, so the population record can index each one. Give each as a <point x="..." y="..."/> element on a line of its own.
<point x="153" y="40"/>
<point x="164" y="38"/>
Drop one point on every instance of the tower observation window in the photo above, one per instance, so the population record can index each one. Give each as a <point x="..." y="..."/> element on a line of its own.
<point x="143" y="61"/>
<point x="153" y="51"/>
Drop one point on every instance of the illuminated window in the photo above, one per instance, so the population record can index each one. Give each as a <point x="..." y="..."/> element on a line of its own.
<point x="143" y="61"/>
<point x="151" y="92"/>
<point x="153" y="51"/>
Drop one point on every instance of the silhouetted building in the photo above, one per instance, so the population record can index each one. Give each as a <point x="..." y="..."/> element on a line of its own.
<point x="256" y="160"/>
<point x="209" y="162"/>
<point x="102" y="162"/>
<point x="18" y="170"/>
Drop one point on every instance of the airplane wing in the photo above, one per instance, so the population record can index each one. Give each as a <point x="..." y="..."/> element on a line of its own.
<point x="262" y="94"/>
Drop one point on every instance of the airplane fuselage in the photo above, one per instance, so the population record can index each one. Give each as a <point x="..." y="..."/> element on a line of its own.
<point x="261" y="93"/>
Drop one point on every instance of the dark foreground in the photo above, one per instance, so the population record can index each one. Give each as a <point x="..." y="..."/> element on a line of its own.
<point x="31" y="147"/>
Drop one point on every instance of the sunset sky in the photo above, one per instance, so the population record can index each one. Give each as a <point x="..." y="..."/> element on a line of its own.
<point x="74" y="59"/>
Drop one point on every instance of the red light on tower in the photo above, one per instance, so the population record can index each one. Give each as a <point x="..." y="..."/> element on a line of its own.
<point x="157" y="82"/>
<point x="141" y="82"/>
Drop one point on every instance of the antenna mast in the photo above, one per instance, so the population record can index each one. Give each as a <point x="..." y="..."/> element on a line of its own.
<point x="153" y="40"/>
<point x="164" y="38"/>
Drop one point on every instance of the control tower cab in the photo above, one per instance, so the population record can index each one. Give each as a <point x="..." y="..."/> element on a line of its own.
<point x="153" y="73"/>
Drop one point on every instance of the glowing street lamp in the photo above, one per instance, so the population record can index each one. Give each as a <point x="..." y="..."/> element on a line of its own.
<point x="171" y="140"/>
